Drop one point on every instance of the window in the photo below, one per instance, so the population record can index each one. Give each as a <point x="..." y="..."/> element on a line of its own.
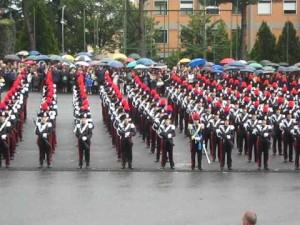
<point x="236" y="6"/>
<point x="212" y="7"/>
<point x="162" y="36"/>
<point x="161" y="7"/>
<point x="289" y="6"/>
<point x="264" y="7"/>
<point x="186" y="7"/>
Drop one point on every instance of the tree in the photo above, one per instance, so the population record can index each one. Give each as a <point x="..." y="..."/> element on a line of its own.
<point x="197" y="35"/>
<point x="221" y="42"/>
<point x="288" y="45"/>
<point x="141" y="29"/>
<point x="235" y="42"/>
<point x="265" y="44"/>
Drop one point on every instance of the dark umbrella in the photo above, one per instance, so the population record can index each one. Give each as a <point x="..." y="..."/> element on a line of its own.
<point x="12" y="57"/>
<point x="134" y="56"/>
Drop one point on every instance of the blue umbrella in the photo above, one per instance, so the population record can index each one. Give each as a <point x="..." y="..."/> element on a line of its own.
<point x="115" y="64"/>
<point x="42" y="58"/>
<point x="84" y="53"/>
<point x="34" y="53"/>
<point x="247" y="69"/>
<point x="131" y="64"/>
<point x="217" y="71"/>
<point x="197" y="62"/>
<point x="32" y="57"/>
<point x="104" y="62"/>
<point x="218" y="67"/>
<point x="237" y="64"/>
<point x="145" y="61"/>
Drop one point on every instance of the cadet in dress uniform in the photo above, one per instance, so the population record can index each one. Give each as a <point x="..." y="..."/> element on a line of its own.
<point x="296" y="134"/>
<point x="225" y="132"/>
<point x="276" y="119"/>
<point x="4" y="145"/>
<point x="43" y="131"/>
<point x="263" y="131"/>
<point x="168" y="132"/>
<point x="197" y="140"/>
<point x="126" y="130"/>
<point x="250" y="126"/>
<point x="286" y="126"/>
<point x="83" y="131"/>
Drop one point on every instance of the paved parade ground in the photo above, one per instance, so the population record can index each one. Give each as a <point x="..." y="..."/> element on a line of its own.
<point x="146" y="196"/>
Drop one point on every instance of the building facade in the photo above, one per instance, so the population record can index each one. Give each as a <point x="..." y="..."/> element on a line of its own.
<point x="171" y="15"/>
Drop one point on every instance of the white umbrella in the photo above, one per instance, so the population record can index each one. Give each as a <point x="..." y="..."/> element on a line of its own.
<point x="84" y="58"/>
<point x="141" y="67"/>
<point x="23" y="53"/>
<point x="82" y="63"/>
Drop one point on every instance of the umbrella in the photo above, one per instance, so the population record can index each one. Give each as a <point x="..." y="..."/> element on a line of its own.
<point x="23" y="53"/>
<point x="227" y="61"/>
<point x="115" y="64"/>
<point x="128" y="60"/>
<point x="227" y="68"/>
<point x="95" y="63"/>
<point x="145" y="61"/>
<point x="297" y="64"/>
<point x="34" y="53"/>
<point x="268" y="68"/>
<point x="83" y="58"/>
<point x="12" y="57"/>
<point x="134" y="56"/>
<point x="237" y="64"/>
<point x="275" y="65"/>
<point x="55" y="58"/>
<point x="160" y="66"/>
<point x="119" y="56"/>
<point x="265" y="62"/>
<point x="206" y="69"/>
<point x="283" y="64"/>
<point x="243" y="61"/>
<point x="68" y="58"/>
<point x="84" y="53"/>
<point x="217" y="71"/>
<point x="82" y="63"/>
<point x="140" y="67"/>
<point x="131" y="64"/>
<point x="217" y="67"/>
<point x="32" y="57"/>
<point x="99" y="57"/>
<point x="293" y="69"/>
<point x="247" y="69"/>
<point x="104" y="62"/>
<point x="184" y="61"/>
<point x="197" y="62"/>
<point x="256" y="65"/>
<point x="42" y="58"/>
<point x="209" y="64"/>
<point x="282" y="69"/>
<point x="251" y="61"/>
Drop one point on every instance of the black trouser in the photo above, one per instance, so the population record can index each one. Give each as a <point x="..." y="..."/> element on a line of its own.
<point x="225" y="151"/>
<point x="252" y="147"/>
<point x="194" y="152"/>
<point x="241" y="138"/>
<point x="159" y="147"/>
<point x="167" y="152"/>
<point x="263" y="150"/>
<point x="288" y="144"/>
<point x="126" y="152"/>
<point x="4" y="151"/>
<point x="45" y="151"/>
<point x="277" y="139"/>
<point x="297" y="151"/>
<point x="84" y="149"/>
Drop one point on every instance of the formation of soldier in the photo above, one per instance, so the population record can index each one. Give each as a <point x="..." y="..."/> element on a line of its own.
<point x="13" y="113"/>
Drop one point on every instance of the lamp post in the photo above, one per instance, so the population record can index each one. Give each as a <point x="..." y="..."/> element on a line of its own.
<point x="62" y="29"/>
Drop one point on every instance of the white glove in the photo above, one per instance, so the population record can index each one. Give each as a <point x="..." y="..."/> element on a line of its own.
<point x="197" y="139"/>
<point x="228" y="136"/>
<point x="84" y="138"/>
<point x="169" y="135"/>
<point x="127" y="134"/>
<point x="44" y="135"/>
<point x="3" y="136"/>
<point x="266" y="134"/>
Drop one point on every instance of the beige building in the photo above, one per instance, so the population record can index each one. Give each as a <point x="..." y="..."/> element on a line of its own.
<point x="170" y="15"/>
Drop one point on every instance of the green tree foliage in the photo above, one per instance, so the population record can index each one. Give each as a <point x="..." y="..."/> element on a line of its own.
<point x="264" y="47"/>
<point x="220" y="43"/>
<point x="235" y="42"/>
<point x="288" y="45"/>
<point x="7" y="37"/>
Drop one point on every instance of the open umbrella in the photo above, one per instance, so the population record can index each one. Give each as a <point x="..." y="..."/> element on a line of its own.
<point x="34" y="53"/>
<point x="128" y="60"/>
<point x="32" y="57"/>
<point x="146" y="61"/>
<point x="119" y="56"/>
<point x="141" y="67"/>
<point x="42" y="58"/>
<point x="247" y="69"/>
<point x="115" y="64"/>
<point x="84" y="58"/>
<point x="237" y="64"/>
<point x="283" y="64"/>
<point x="104" y="62"/>
<point x="231" y="68"/>
<point x="243" y="61"/>
<point x="82" y="63"/>
<point x="84" y="53"/>
<point x="55" y="58"/>
<point x="293" y="69"/>
<point x="68" y="58"/>
<point x="265" y="62"/>
<point x="12" y="57"/>
<point x="197" y="62"/>
<point x="23" y="53"/>
<point x="251" y="61"/>
<point x="131" y="64"/>
<point x="268" y="68"/>
<point x="297" y="64"/>
<point x="134" y="56"/>
<point x="160" y="66"/>
<point x="256" y="65"/>
<point x="227" y="61"/>
<point x="184" y="61"/>
<point x="217" y="67"/>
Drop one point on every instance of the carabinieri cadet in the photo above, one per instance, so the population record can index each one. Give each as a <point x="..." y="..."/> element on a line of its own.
<point x="250" y="127"/>
<point x="264" y="133"/>
<point x="225" y="133"/>
<point x="82" y="121"/>
<point x="296" y="135"/>
<point x="276" y="119"/>
<point x="197" y="140"/>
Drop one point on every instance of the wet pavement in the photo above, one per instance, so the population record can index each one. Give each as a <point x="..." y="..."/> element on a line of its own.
<point x="107" y="195"/>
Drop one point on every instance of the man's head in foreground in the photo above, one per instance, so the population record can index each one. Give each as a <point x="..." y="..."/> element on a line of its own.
<point x="249" y="218"/>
